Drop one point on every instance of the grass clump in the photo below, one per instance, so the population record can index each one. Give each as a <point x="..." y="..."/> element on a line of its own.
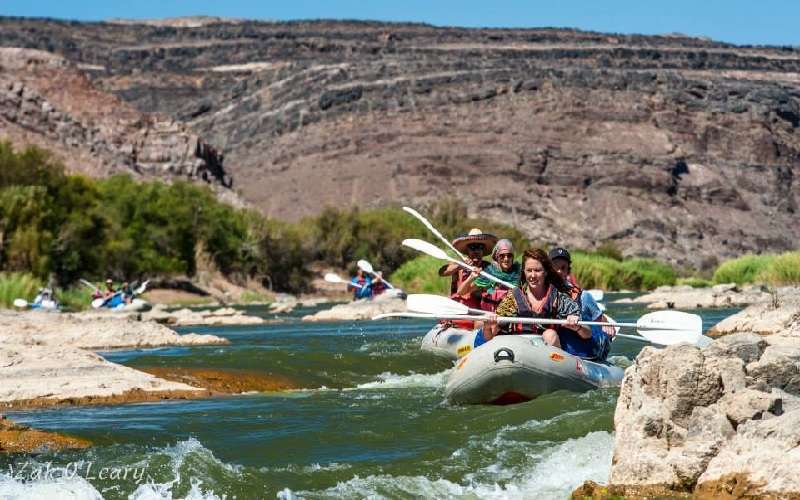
<point x="594" y="270"/>
<point x="782" y="270"/>
<point x="694" y="282"/>
<point x="742" y="270"/>
<point x="17" y="286"/>
<point x="420" y="275"/>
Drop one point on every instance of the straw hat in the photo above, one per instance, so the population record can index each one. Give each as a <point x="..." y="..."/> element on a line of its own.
<point x="475" y="235"/>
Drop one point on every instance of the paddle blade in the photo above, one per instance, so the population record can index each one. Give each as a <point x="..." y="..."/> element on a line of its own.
<point x="671" y="327"/>
<point x="365" y="266"/>
<point x="597" y="295"/>
<point x="434" y="304"/>
<point x="141" y="288"/>
<point x="426" y="248"/>
<point x="332" y="278"/>
<point x="98" y="303"/>
<point x="21" y="303"/>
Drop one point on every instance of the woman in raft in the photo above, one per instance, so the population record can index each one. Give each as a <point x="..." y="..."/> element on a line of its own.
<point x="542" y="293"/>
<point x="503" y="268"/>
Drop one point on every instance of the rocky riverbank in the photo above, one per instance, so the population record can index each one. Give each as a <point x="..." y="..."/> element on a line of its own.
<point x="360" y="309"/>
<point x="686" y="297"/>
<point x="722" y="421"/>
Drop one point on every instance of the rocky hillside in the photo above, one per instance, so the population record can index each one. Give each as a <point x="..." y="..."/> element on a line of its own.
<point x="669" y="146"/>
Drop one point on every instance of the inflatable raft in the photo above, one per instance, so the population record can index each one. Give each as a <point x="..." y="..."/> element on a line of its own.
<point x="512" y="368"/>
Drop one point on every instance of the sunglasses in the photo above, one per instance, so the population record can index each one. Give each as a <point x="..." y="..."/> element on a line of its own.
<point x="505" y="256"/>
<point x="475" y="246"/>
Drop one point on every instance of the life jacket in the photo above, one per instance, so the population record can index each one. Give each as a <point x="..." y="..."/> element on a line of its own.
<point x="473" y="300"/>
<point x="525" y="311"/>
<point x="378" y="288"/>
<point x="365" y="291"/>
<point x="575" y="292"/>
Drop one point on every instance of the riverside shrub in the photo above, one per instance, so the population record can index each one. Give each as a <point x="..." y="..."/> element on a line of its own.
<point x="742" y="270"/>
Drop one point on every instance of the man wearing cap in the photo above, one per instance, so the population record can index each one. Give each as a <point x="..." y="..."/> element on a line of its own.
<point x="475" y="245"/>
<point x="590" y="311"/>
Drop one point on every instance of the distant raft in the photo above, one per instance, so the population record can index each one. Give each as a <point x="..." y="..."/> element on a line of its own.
<point x="512" y="368"/>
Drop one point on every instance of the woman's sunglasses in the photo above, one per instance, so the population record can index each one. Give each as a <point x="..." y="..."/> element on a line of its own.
<point x="505" y="256"/>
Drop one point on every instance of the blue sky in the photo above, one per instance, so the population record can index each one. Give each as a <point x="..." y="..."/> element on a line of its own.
<point x="773" y="22"/>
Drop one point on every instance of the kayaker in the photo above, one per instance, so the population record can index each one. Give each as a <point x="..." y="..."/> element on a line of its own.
<point x="361" y="285"/>
<point x="590" y="311"/>
<point x="503" y="268"/>
<point x="378" y="285"/>
<point x="109" y="291"/>
<point x="127" y="293"/>
<point x="542" y="294"/>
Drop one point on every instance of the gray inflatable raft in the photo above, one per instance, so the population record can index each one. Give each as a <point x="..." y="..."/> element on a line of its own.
<point x="515" y="368"/>
<point x="448" y="342"/>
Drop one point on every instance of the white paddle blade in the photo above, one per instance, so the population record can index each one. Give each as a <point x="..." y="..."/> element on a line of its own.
<point x="87" y="283"/>
<point x="671" y="327"/>
<point x="332" y="278"/>
<point x="597" y="295"/>
<point x="98" y="303"/>
<point x="434" y="304"/>
<point x="365" y="266"/>
<point x="141" y="288"/>
<point x="21" y="303"/>
<point x="426" y="248"/>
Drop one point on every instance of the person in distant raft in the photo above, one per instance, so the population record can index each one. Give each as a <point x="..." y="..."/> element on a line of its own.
<point x="542" y="294"/>
<point x="109" y="291"/>
<point x="361" y="285"/>
<point x="378" y="285"/>
<point x="601" y="336"/>
<point x="503" y="268"/>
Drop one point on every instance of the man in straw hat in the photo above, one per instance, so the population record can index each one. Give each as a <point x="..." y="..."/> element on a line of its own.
<point x="475" y="245"/>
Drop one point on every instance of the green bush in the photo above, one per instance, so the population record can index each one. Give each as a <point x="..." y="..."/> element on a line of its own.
<point x="17" y="286"/>
<point x="598" y="271"/>
<point x="743" y="270"/>
<point x="420" y="275"/>
<point x="782" y="270"/>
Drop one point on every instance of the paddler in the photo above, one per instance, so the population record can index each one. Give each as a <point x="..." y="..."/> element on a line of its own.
<point x="503" y="267"/>
<point x="361" y="285"/>
<point x="475" y="245"/>
<point x="541" y="294"/>
<point x="601" y="336"/>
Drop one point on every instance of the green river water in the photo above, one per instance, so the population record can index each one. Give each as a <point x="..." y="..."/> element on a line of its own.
<point x="371" y="423"/>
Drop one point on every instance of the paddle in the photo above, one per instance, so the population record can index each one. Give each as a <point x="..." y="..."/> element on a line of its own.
<point x="654" y="337"/>
<point x="332" y="278"/>
<point x="89" y="284"/>
<point x="438" y="253"/>
<point x="660" y="327"/>
<point x="367" y="268"/>
<point x="434" y="231"/>
<point x="21" y="303"/>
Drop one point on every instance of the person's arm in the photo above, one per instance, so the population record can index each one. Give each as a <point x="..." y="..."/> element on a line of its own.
<point x="468" y="286"/>
<point x="448" y="269"/>
<point x="568" y="309"/>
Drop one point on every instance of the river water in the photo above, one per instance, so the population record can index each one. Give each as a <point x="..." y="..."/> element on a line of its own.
<point x="370" y="421"/>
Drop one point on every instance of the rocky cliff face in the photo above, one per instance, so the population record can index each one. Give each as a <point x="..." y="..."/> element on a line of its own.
<point x="47" y="101"/>
<point x="673" y="147"/>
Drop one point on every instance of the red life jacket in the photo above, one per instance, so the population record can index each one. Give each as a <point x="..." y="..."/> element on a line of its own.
<point x="524" y="311"/>
<point x="460" y="276"/>
<point x="378" y="288"/>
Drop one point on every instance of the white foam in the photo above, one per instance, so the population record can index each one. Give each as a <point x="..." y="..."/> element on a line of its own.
<point x="75" y="488"/>
<point x="554" y="475"/>
<point x="388" y="380"/>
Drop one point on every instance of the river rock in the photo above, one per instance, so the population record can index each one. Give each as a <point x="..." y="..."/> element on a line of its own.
<point x="686" y="297"/>
<point x="188" y="317"/>
<point x="363" y="309"/>
<point x="692" y="420"/>
<point x="780" y="314"/>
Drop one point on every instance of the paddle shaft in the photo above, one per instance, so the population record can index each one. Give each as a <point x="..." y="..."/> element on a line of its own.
<point x="434" y="231"/>
<point x="483" y="273"/>
<point x="381" y="277"/>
